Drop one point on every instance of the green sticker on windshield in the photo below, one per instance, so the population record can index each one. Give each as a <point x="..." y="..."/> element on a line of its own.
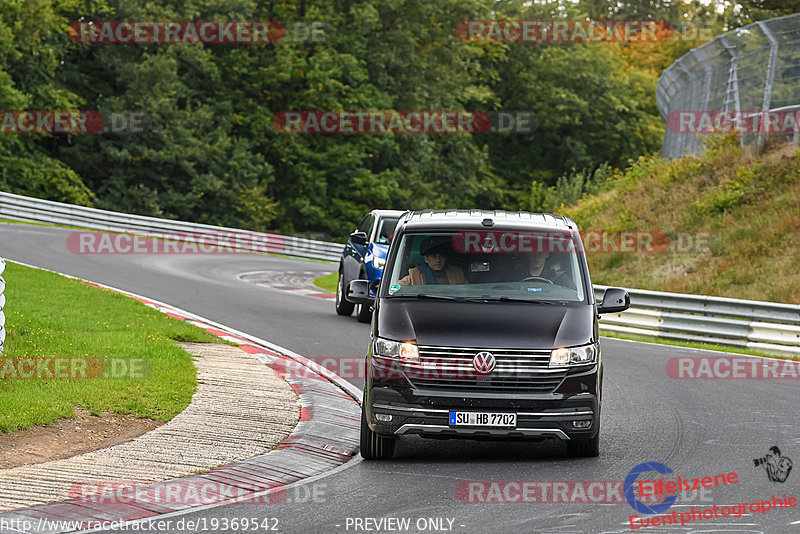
<point x="393" y="288"/>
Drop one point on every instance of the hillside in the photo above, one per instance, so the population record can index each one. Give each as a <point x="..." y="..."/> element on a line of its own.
<point x="748" y="203"/>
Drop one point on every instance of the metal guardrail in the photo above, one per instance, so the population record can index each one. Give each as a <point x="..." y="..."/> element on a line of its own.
<point x="2" y="306"/>
<point x="755" y="68"/>
<point x="765" y="326"/>
<point x="769" y="327"/>
<point x="29" y="209"/>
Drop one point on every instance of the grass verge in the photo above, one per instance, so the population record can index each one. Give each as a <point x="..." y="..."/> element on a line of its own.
<point x="327" y="282"/>
<point x="52" y="317"/>
<point x="732" y="216"/>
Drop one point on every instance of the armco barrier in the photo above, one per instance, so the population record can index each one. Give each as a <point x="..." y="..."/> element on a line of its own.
<point x="29" y="209"/>
<point x="765" y="326"/>
<point x="2" y="305"/>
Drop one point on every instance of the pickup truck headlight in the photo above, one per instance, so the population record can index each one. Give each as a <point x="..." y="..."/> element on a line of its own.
<point x="378" y="262"/>
<point x="582" y="355"/>
<point x="404" y="351"/>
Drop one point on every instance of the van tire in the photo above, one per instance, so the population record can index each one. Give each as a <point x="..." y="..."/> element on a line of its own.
<point x="584" y="448"/>
<point x="364" y="313"/>
<point x="374" y="446"/>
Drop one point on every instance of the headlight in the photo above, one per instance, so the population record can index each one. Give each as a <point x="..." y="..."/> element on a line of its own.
<point x="394" y="349"/>
<point x="378" y="262"/>
<point x="574" y="355"/>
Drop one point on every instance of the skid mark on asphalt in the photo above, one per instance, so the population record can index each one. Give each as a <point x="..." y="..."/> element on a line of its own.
<point x="297" y="282"/>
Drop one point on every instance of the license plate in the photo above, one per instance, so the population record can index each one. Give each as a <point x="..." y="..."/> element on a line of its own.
<point x="483" y="419"/>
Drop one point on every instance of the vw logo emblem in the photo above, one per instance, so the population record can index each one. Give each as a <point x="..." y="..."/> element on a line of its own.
<point x="484" y="362"/>
<point x="487" y="246"/>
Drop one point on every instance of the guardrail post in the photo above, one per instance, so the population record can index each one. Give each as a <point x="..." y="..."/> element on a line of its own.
<point x="2" y="305"/>
<point x="693" y="139"/>
<point x="773" y="57"/>
<point x="706" y="80"/>
<point x="732" y="90"/>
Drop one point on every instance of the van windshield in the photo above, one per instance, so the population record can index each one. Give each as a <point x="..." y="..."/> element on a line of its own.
<point x="488" y="265"/>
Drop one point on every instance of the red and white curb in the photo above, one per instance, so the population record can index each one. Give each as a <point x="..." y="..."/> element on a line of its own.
<point x="293" y="282"/>
<point x="326" y="437"/>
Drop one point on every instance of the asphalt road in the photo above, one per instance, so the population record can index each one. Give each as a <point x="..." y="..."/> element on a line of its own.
<point x="696" y="427"/>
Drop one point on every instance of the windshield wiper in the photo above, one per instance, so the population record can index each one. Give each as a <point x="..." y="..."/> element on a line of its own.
<point x="436" y="297"/>
<point x="488" y="298"/>
<point x="531" y="301"/>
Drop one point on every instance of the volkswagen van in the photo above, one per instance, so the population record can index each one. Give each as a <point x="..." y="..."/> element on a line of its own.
<point x="485" y="326"/>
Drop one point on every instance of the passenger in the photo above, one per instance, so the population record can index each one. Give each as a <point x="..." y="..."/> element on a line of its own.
<point x="435" y="270"/>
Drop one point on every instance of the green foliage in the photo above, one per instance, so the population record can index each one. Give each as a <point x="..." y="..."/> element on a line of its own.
<point x="729" y="193"/>
<point x="569" y="188"/>
<point x="40" y="176"/>
<point x="211" y="153"/>
<point x="731" y="215"/>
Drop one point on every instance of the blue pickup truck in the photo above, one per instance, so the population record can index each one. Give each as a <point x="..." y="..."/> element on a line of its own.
<point x="363" y="258"/>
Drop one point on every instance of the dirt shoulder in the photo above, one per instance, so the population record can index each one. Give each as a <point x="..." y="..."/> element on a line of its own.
<point x="67" y="437"/>
<point x="241" y="409"/>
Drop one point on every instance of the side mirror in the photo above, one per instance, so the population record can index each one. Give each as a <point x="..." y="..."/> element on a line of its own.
<point x="359" y="238"/>
<point x="357" y="291"/>
<point x="615" y="300"/>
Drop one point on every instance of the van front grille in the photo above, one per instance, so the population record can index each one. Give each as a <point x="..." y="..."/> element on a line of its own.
<point x="450" y="368"/>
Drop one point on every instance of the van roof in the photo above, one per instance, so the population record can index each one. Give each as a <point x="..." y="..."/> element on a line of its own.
<point x="485" y="220"/>
<point x="388" y="213"/>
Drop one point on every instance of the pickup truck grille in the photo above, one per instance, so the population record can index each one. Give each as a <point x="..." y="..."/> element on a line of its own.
<point x="450" y="368"/>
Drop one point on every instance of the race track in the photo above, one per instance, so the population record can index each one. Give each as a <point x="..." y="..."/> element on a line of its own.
<point x="696" y="427"/>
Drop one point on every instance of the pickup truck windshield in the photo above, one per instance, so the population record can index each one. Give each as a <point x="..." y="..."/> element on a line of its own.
<point x="488" y="265"/>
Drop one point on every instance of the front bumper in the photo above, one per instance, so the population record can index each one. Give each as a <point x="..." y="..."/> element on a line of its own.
<point x="539" y="415"/>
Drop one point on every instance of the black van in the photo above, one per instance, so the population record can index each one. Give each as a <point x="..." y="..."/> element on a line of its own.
<point x="484" y="326"/>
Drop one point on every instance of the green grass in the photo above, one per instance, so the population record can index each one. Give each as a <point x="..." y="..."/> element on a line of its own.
<point x="327" y="282"/>
<point x="50" y="316"/>
<point x="747" y="203"/>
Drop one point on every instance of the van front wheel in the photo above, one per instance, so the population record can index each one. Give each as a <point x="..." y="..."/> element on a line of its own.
<point x="374" y="446"/>
<point x="585" y="448"/>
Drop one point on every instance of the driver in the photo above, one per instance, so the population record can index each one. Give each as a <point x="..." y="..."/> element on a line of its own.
<point x="536" y="263"/>
<point x="435" y="270"/>
<point x="537" y="268"/>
